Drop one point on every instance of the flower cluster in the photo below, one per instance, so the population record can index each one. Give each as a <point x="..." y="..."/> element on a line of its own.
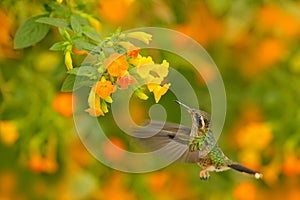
<point x="124" y="71"/>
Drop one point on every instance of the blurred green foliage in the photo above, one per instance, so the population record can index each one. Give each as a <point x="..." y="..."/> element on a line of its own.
<point x="255" y="45"/>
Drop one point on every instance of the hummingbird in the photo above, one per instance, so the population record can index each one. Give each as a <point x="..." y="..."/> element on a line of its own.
<point x="199" y="142"/>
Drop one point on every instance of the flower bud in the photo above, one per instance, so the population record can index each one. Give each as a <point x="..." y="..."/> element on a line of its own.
<point x="142" y="36"/>
<point x="68" y="60"/>
<point x="141" y="95"/>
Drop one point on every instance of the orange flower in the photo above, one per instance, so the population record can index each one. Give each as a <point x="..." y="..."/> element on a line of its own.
<point x="271" y="172"/>
<point x="39" y="164"/>
<point x="79" y="154"/>
<point x="134" y="53"/>
<point x="104" y="88"/>
<point x="49" y="165"/>
<point x="126" y="80"/>
<point x="80" y="52"/>
<point x="62" y="103"/>
<point x="115" y="11"/>
<point x="269" y="52"/>
<point x="158" y="180"/>
<point x="6" y="29"/>
<point x="36" y="163"/>
<point x="203" y="25"/>
<point x="8" y="183"/>
<point x="245" y="191"/>
<point x="110" y="152"/>
<point x="8" y="132"/>
<point x="274" y="17"/>
<point x="291" y="164"/>
<point x="116" y="188"/>
<point x="116" y="64"/>
<point x="255" y="135"/>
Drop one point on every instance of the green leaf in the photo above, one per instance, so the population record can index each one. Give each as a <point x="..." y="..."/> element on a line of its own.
<point x="61" y="23"/>
<point x="75" y="24"/>
<point x="87" y="71"/>
<point x="81" y="20"/>
<point x="81" y="44"/>
<point x="68" y="84"/>
<point x="59" y="9"/>
<point x="91" y="33"/>
<point x="59" y="46"/>
<point x="30" y="33"/>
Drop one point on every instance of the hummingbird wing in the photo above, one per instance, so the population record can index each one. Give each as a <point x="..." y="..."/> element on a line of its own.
<point x="174" y="137"/>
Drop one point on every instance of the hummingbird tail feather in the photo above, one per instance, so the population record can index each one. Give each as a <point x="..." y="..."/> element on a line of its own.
<point x="244" y="169"/>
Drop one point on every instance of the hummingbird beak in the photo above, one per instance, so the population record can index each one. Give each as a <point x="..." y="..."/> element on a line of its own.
<point x="184" y="106"/>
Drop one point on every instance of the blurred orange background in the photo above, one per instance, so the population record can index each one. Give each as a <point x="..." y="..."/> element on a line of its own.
<point x="255" y="45"/>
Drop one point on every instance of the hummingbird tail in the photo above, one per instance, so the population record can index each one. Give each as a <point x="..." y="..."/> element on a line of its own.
<point x="244" y="169"/>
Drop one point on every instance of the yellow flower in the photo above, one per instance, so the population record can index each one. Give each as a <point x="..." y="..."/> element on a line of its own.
<point x="94" y="104"/>
<point x="104" y="88"/>
<point x="153" y="73"/>
<point x="116" y="64"/>
<point x="140" y="60"/>
<point x="165" y="63"/>
<point x="150" y="72"/>
<point x="8" y="132"/>
<point x="68" y="60"/>
<point x="158" y="90"/>
<point x="142" y="36"/>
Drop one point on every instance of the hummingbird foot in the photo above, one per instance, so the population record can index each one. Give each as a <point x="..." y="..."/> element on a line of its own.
<point x="204" y="174"/>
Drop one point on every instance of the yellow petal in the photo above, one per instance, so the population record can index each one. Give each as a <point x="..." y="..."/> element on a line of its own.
<point x="159" y="91"/>
<point x="108" y="99"/>
<point x="104" y="107"/>
<point x="94" y="104"/>
<point x="141" y="95"/>
<point x="103" y="79"/>
<point x="152" y="86"/>
<point x="165" y="63"/>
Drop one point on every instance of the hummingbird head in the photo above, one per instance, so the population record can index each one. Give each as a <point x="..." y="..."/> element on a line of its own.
<point x="199" y="117"/>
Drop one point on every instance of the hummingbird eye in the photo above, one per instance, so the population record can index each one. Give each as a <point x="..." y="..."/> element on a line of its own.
<point x="200" y="121"/>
